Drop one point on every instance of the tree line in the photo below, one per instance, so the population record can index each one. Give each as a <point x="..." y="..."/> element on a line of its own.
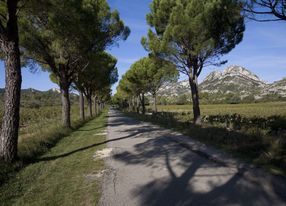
<point x="145" y="76"/>
<point x="67" y="38"/>
<point x="191" y="35"/>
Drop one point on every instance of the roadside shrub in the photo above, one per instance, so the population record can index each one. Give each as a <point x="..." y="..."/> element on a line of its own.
<point x="236" y="122"/>
<point x="278" y="124"/>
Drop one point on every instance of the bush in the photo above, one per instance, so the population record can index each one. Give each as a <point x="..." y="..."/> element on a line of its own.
<point x="236" y="122"/>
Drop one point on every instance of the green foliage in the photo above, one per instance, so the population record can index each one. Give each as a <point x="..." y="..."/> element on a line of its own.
<point x="62" y="31"/>
<point x="182" y="99"/>
<point x="98" y="76"/>
<point x="193" y="33"/>
<point x="146" y="76"/>
<point x="237" y="122"/>
<point x="158" y="73"/>
<point x="66" y="36"/>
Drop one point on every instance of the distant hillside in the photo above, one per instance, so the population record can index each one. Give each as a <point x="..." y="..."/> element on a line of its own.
<point x="35" y="98"/>
<point x="276" y="88"/>
<point x="234" y="84"/>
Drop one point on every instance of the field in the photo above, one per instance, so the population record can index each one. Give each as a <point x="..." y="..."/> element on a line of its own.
<point x="34" y="121"/>
<point x="255" y="132"/>
<point x="246" y="110"/>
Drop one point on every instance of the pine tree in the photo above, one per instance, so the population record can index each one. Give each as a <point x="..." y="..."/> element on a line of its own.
<point x="9" y="48"/>
<point x="194" y="34"/>
<point x="60" y="34"/>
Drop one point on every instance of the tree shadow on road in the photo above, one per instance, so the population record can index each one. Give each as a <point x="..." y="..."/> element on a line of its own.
<point x="199" y="183"/>
<point x="132" y="134"/>
<point x="119" y="119"/>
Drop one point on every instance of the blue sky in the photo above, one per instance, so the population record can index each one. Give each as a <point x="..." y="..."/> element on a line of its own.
<point x="263" y="50"/>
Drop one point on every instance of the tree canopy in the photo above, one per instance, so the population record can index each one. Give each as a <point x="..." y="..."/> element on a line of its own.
<point x="194" y="34"/>
<point x="100" y="73"/>
<point x="60" y="35"/>
<point x="146" y="75"/>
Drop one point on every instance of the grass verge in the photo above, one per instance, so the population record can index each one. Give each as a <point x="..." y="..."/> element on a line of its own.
<point x="251" y="145"/>
<point x="37" y="142"/>
<point x="66" y="175"/>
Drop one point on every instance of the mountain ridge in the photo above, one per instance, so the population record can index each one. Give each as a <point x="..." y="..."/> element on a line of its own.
<point x="234" y="80"/>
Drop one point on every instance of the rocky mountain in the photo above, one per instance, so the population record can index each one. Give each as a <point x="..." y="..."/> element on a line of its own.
<point x="276" y="88"/>
<point x="175" y="89"/>
<point x="234" y="81"/>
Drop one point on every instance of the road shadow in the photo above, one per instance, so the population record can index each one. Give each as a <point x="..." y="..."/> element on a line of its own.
<point x="132" y="134"/>
<point x="198" y="183"/>
<point x="119" y="119"/>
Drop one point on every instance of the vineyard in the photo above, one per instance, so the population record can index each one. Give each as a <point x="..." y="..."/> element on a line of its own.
<point x="255" y="132"/>
<point x="40" y="129"/>
<point x="246" y="110"/>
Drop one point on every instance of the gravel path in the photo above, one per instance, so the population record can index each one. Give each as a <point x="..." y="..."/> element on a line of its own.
<point x="147" y="166"/>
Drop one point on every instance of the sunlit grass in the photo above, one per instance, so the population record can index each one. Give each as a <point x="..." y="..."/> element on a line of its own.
<point x="38" y="135"/>
<point x="65" y="175"/>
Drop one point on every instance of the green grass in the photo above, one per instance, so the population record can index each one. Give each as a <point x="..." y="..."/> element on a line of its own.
<point x="42" y="130"/>
<point x="248" y="110"/>
<point x="64" y="175"/>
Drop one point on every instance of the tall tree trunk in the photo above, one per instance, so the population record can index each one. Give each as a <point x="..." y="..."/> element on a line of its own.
<point x="13" y="81"/>
<point x="155" y="103"/>
<point x="90" y="106"/>
<point x="133" y="104"/>
<point x="66" y="117"/>
<point x="195" y="99"/>
<point x="81" y="106"/>
<point x="143" y="103"/>
<point x="130" y="105"/>
<point x="138" y="104"/>
<point x="98" y="109"/>
<point x="95" y="107"/>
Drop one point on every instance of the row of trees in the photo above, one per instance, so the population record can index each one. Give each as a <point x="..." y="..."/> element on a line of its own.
<point x="67" y="38"/>
<point x="145" y="76"/>
<point x="192" y="35"/>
